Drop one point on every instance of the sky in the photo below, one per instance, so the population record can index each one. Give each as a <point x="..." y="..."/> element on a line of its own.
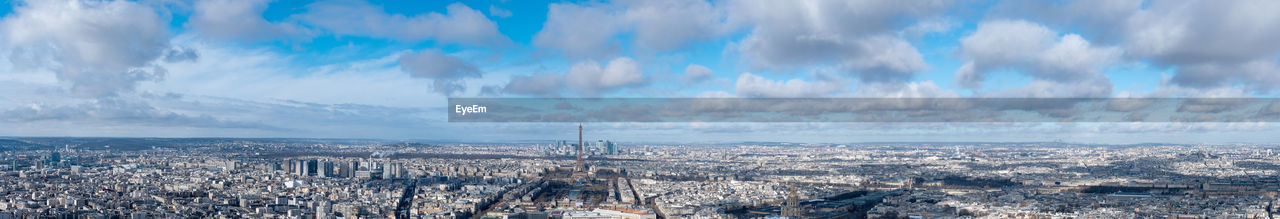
<point x="364" y="69"/>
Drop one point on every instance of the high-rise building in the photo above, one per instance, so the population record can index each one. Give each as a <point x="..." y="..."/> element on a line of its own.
<point x="310" y="168"/>
<point x="393" y="170"/>
<point x="610" y="148"/>
<point x="344" y="169"/>
<point x="352" y="167"/>
<point x="369" y="165"/>
<point x="326" y="169"/>
<point x="299" y="167"/>
<point x="320" y="168"/>
<point x="55" y="158"/>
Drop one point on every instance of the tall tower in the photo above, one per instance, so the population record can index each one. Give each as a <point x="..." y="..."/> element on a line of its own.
<point x="581" y="167"/>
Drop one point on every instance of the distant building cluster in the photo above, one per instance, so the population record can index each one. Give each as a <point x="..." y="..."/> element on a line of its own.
<point x="272" y="178"/>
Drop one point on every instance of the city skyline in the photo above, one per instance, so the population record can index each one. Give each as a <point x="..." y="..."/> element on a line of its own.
<point x="308" y="178"/>
<point x="639" y="109"/>
<point x="385" y="70"/>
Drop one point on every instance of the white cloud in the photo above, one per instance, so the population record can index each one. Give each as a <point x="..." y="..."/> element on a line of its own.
<point x="923" y="89"/>
<point x="750" y="85"/>
<point x="874" y="59"/>
<point x="1260" y="76"/>
<point x="443" y="70"/>
<point x="1098" y="87"/>
<point x="1209" y="44"/>
<point x="1006" y="41"/>
<point x="1167" y="88"/>
<point x="578" y="31"/>
<point x="495" y="11"/>
<point x="696" y="73"/>
<point x="1072" y="56"/>
<point x="231" y="91"/>
<point x="173" y="115"/>
<point x="929" y="26"/>
<point x="459" y="23"/>
<point x="883" y="58"/>
<point x="586" y="78"/>
<point x="120" y="111"/>
<point x="1179" y="32"/>
<point x="536" y="84"/>
<point x="263" y="74"/>
<point x="104" y="50"/>
<point x="715" y="94"/>
<point x="1213" y="44"/>
<point x="666" y="25"/>
<point x="241" y="20"/>
<point x="589" y="30"/>
<point x="1066" y="66"/>
<point x="854" y="35"/>
<point x="591" y="79"/>
<point x="99" y="48"/>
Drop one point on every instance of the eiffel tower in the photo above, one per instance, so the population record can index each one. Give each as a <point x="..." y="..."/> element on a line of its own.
<point x="580" y="168"/>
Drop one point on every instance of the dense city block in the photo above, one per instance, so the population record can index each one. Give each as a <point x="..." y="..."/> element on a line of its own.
<point x="319" y="178"/>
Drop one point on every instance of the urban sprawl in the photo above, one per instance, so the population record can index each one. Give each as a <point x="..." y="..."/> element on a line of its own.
<point x="319" y="178"/>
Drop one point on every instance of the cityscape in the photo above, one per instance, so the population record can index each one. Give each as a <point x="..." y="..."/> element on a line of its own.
<point x="639" y="109"/>
<point x="47" y="177"/>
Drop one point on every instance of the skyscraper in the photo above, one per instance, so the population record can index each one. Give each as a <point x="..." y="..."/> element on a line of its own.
<point x="610" y="148"/>
<point x="309" y="168"/>
<point x="393" y="170"/>
<point x="55" y="158"/>
<point x="352" y="167"/>
<point x="326" y="169"/>
<point x="346" y="169"/>
<point x="299" y="167"/>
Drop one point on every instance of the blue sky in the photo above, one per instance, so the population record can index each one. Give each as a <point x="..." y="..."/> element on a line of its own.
<point x="383" y="69"/>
